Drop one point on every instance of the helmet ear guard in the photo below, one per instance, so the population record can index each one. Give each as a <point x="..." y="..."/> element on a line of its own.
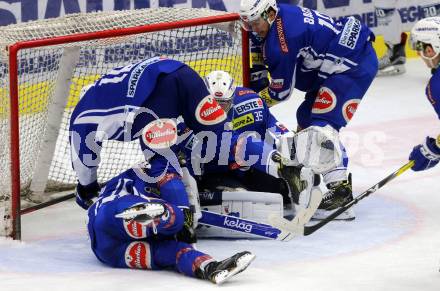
<point x="221" y="86"/>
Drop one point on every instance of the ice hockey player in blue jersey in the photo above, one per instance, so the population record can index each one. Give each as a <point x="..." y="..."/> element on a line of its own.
<point x="245" y="153"/>
<point x="138" y="101"/>
<point x="132" y="226"/>
<point x="248" y="119"/>
<point x="332" y="61"/>
<point x="425" y="39"/>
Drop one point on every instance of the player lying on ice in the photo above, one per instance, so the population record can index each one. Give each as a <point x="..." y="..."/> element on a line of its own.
<point x="138" y="101"/>
<point x="425" y="39"/>
<point x="132" y="226"/>
<point x="333" y="62"/>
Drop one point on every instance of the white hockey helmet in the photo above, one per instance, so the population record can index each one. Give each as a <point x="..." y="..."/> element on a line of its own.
<point x="424" y="32"/>
<point x="221" y="85"/>
<point x="252" y="10"/>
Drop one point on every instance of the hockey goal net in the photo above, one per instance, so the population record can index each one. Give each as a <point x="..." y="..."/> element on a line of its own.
<point x="45" y="64"/>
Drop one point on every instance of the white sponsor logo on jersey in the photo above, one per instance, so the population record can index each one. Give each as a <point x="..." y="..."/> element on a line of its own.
<point x="248" y="105"/>
<point x="136" y="74"/>
<point x="350" y="34"/>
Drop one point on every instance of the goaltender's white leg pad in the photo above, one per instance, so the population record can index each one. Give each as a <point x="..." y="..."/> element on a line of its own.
<point x="256" y="206"/>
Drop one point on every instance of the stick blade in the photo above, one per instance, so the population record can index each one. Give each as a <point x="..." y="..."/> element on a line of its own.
<point x="303" y="215"/>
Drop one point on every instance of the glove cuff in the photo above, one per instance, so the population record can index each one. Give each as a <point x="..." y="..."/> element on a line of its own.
<point x="88" y="191"/>
<point x="433" y="146"/>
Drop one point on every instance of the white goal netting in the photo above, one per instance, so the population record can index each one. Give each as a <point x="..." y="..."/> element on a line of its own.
<point x="50" y="79"/>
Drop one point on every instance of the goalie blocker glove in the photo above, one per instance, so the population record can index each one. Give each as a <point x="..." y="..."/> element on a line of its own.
<point x="426" y="155"/>
<point x="84" y="194"/>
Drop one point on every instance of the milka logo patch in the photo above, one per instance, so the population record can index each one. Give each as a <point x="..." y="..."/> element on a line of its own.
<point x="325" y="102"/>
<point x="351" y="32"/>
<point x="248" y="105"/>
<point x="134" y="229"/>
<point x="137" y="255"/>
<point x="209" y="112"/>
<point x="136" y="74"/>
<point x="160" y="133"/>
<point x="236" y="224"/>
<point x="349" y="108"/>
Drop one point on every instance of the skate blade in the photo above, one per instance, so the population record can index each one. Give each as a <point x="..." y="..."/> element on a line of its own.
<point x="141" y="212"/>
<point x="242" y="263"/>
<point x="392" y="71"/>
<point x="347" y="215"/>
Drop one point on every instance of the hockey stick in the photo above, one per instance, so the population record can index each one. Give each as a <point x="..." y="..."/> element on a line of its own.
<point x="297" y="225"/>
<point x="303" y="215"/>
<point x="47" y="203"/>
<point x="307" y="230"/>
<point x="243" y="225"/>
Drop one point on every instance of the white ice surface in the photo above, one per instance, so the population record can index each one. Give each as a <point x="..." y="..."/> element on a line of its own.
<point x="394" y="243"/>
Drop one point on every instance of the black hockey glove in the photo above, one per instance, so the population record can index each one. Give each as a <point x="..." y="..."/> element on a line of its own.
<point x="85" y="194"/>
<point x="259" y="79"/>
<point x="187" y="234"/>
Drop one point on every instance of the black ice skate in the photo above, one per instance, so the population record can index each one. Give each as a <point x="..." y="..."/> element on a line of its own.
<point x="219" y="272"/>
<point x="393" y="62"/>
<point x="339" y="194"/>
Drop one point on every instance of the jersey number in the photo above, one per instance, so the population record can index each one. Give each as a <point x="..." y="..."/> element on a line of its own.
<point x="116" y="75"/>
<point x="327" y="21"/>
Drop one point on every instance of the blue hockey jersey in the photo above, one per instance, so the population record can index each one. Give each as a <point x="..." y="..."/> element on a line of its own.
<point x="248" y="115"/>
<point x="433" y="91"/>
<point x="124" y="243"/>
<point x="139" y="101"/>
<point x="304" y="47"/>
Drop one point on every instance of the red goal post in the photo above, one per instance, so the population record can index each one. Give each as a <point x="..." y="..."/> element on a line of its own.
<point x="45" y="64"/>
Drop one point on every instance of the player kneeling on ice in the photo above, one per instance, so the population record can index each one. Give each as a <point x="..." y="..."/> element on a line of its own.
<point x="140" y="101"/>
<point x="425" y="39"/>
<point x="130" y="226"/>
